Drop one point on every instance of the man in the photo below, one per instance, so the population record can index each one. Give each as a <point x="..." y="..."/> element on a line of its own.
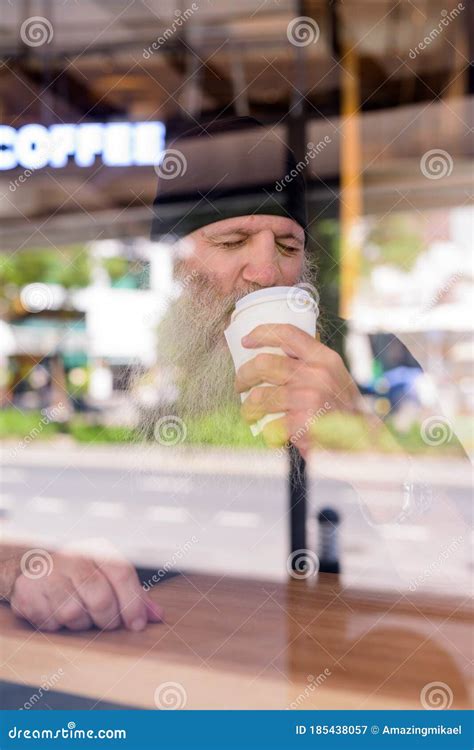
<point x="246" y="230"/>
<point x="225" y="252"/>
<point x="229" y="259"/>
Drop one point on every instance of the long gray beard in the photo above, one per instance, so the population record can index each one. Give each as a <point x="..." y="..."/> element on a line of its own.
<point x="191" y="343"/>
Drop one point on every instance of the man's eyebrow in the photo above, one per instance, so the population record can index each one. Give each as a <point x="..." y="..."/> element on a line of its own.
<point x="289" y="236"/>
<point x="213" y="234"/>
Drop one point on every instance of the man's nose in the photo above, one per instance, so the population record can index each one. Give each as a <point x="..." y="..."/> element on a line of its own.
<point x="261" y="266"/>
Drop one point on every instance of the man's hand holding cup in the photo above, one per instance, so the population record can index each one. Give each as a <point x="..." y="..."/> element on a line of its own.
<point x="285" y="376"/>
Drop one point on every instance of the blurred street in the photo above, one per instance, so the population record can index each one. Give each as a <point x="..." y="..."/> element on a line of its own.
<point x="226" y="511"/>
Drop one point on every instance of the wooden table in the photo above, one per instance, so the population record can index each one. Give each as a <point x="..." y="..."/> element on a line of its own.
<point x="241" y="644"/>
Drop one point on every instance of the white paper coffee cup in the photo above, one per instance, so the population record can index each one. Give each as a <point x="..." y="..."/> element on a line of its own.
<point x="275" y="305"/>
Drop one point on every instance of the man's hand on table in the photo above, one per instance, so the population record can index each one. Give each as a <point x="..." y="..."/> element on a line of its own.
<point x="83" y="591"/>
<point x="310" y="378"/>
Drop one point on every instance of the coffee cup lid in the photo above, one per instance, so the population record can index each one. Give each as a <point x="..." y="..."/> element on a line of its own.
<point x="293" y="294"/>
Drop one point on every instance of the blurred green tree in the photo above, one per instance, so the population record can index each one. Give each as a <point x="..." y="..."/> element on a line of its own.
<point x="69" y="266"/>
<point x="395" y="240"/>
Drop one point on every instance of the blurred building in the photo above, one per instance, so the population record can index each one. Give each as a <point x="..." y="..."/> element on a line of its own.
<point x="107" y="330"/>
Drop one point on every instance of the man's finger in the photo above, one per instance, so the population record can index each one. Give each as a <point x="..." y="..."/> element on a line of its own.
<point x="264" y="400"/>
<point x="269" y="399"/>
<point x="66" y="606"/>
<point x="275" y="369"/>
<point x="276" y="433"/>
<point x="98" y="596"/>
<point x="124" y="581"/>
<point x="264" y="368"/>
<point x="293" y="341"/>
<point x="154" y="611"/>
<point x="71" y="615"/>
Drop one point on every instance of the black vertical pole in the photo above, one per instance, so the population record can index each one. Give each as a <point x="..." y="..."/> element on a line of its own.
<point x="297" y="487"/>
<point x="297" y="472"/>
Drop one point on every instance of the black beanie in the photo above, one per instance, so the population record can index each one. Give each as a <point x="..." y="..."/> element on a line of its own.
<point x="233" y="167"/>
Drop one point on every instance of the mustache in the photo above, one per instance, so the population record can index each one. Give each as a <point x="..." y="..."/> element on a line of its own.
<point x="238" y="295"/>
<point x="205" y="285"/>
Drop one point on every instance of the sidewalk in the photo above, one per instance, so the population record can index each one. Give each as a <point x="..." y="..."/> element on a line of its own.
<point x="381" y="467"/>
